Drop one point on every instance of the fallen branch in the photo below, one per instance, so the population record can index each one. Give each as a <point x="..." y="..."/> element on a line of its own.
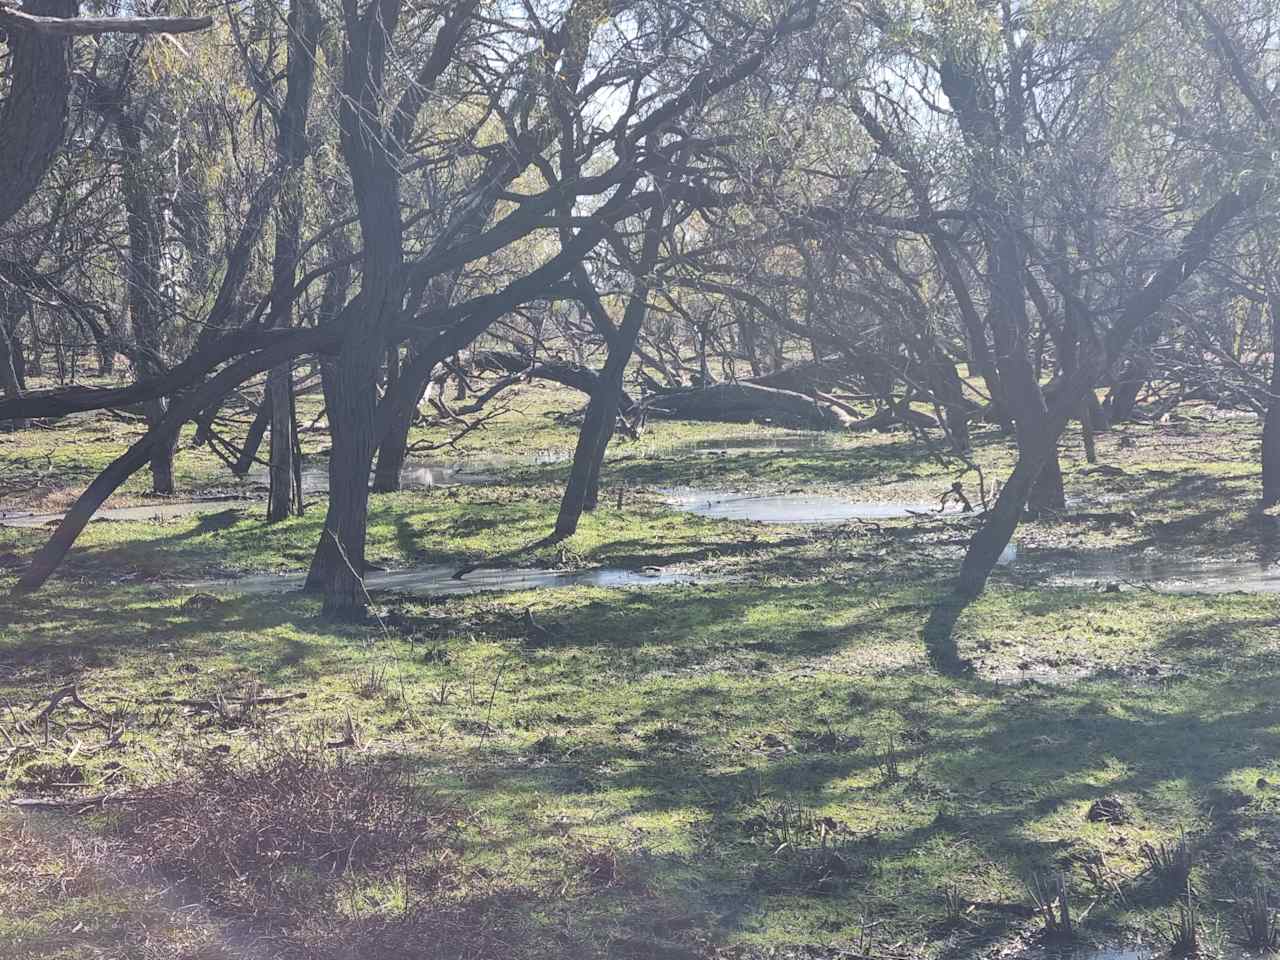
<point x="66" y="693"/>
<point x="212" y="703"/>
<point x="86" y="26"/>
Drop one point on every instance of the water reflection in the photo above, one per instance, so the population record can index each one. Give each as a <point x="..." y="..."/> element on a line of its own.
<point x="792" y="508"/>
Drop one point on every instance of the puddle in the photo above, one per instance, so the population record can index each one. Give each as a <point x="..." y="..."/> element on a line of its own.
<point x="145" y="513"/>
<point x="315" y="480"/>
<point x="793" y="508"/>
<point x="1127" y="951"/>
<point x="1110" y="952"/>
<point x="439" y="580"/>
<point x="1160" y="573"/>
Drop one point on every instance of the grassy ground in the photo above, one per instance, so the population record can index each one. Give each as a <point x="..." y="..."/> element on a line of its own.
<point x="783" y="762"/>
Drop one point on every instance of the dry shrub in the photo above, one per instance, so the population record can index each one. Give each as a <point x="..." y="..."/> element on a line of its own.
<point x="276" y="832"/>
<point x="66" y="892"/>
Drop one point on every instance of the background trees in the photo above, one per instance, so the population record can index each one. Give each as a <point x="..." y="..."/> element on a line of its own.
<point x="936" y="215"/>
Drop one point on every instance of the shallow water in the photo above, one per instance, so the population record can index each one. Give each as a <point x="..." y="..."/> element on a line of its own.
<point x="792" y="508"/>
<point x="1108" y="952"/>
<point x="418" y="476"/>
<point x="439" y="580"/>
<point x="1161" y="573"/>
<point x="1127" y="951"/>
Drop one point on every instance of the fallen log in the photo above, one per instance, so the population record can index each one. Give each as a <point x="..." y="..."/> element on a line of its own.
<point x="746" y="402"/>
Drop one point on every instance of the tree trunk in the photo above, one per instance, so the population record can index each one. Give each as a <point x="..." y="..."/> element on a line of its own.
<point x="253" y="440"/>
<point x="279" y="399"/>
<point x="1271" y="426"/>
<point x="144" y="274"/>
<point x="994" y="535"/>
<point x="1123" y="396"/>
<point x="338" y="566"/>
<point x="582" y="490"/>
<point x="1047" y="493"/>
<point x="1086" y="429"/>
<point x="394" y="449"/>
<point x="33" y="115"/>
<point x="9" y="385"/>
<point x="162" y="453"/>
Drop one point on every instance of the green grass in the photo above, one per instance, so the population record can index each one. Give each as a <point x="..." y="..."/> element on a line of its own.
<point x="754" y="765"/>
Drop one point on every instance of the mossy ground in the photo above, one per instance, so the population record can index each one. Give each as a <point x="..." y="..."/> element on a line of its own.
<point x="744" y="767"/>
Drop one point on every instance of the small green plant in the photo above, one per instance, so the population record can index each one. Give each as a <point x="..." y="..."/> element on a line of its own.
<point x="373" y="683"/>
<point x="953" y="905"/>
<point x="1053" y="906"/>
<point x="1183" y="933"/>
<point x="1169" y="864"/>
<point x="1259" y="922"/>
<point x="813" y="850"/>
<point x="890" y="770"/>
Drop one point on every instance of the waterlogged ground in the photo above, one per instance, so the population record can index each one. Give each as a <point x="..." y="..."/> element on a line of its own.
<point x="718" y="737"/>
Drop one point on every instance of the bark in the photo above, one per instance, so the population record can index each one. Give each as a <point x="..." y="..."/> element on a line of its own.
<point x="279" y="399"/>
<point x="34" y="113"/>
<point x="582" y="492"/>
<point x="337" y="567"/>
<point x="1047" y="494"/>
<point x="144" y="275"/>
<point x="1086" y="431"/>
<point x="410" y="386"/>
<point x="9" y="385"/>
<point x="1271" y="426"/>
<point x="253" y="441"/>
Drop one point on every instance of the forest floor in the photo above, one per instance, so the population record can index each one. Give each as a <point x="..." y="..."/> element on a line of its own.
<point x="806" y="752"/>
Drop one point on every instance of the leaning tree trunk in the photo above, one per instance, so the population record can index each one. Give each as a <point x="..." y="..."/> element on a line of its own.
<point x="394" y="448"/>
<point x="582" y="492"/>
<point x="997" y="530"/>
<point x="253" y="440"/>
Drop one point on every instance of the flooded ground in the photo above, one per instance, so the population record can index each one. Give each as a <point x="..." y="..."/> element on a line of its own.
<point x="793" y="508"/>
<point x="1163" y="573"/>
<point x="418" y="476"/>
<point x="440" y="580"/>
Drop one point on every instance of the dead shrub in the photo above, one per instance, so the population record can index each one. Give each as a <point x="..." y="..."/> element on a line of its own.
<point x="262" y="835"/>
